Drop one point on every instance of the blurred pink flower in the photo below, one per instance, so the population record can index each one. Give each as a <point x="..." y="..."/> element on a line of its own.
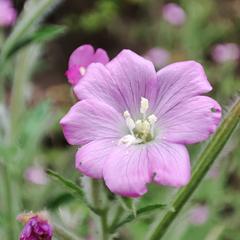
<point x="226" y="52"/>
<point x="81" y="58"/>
<point x="36" y="227"/>
<point x="198" y="215"/>
<point x="173" y="14"/>
<point x="36" y="175"/>
<point x="158" y="56"/>
<point x="132" y="123"/>
<point x="7" y="13"/>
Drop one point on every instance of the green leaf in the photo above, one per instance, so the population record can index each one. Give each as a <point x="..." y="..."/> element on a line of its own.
<point x="73" y="188"/>
<point x="70" y="185"/>
<point x="34" y="12"/>
<point x="42" y="35"/>
<point x="139" y="212"/>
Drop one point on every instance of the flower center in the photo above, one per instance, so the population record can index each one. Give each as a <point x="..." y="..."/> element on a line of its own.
<point x="141" y="130"/>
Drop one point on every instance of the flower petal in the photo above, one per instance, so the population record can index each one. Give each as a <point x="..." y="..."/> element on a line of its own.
<point x="126" y="171"/>
<point x="91" y="157"/>
<point x="120" y="83"/>
<point x="169" y="163"/>
<point x="82" y="57"/>
<point x="177" y="82"/>
<point x="190" y="121"/>
<point x="91" y="120"/>
<point x="101" y="56"/>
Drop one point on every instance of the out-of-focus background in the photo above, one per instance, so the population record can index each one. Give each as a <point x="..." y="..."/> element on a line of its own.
<point x="207" y="31"/>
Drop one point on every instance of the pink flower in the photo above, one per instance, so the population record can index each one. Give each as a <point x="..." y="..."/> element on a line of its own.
<point x="198" y="215"/>
<point x="226" y="52"/>
<point x="36" y="175"/>
<point x="173" y="14"/>
<point x="7" y="13"/>
<point x="80" y="59"/>
<point x="158" y="56"/>
<point x="133" y="123"/>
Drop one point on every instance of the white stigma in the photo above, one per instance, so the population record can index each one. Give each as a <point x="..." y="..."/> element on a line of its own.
<point x="82" y="70"/>
<point x="141" y="130"/>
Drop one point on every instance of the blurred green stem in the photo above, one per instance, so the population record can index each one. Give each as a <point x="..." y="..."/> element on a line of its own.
<point x="204" y="162"/>
<point x="24" y="64"/>
<point x="64" y="234"/>
<point x="9" y="204"/>
<point x="97" y="202"/>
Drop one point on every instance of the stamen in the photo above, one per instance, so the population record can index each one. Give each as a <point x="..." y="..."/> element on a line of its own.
<point x="142" y="130"/>
<point x="126" y="114"/>
<point x="144" y="106"/>
<point x="152" y="120"/>
<point x="82" y="70"/>
<point x="129" y="140"/>
<point x="129" y="121"/>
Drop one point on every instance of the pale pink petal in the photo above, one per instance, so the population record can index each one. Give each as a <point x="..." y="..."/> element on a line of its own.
<point x="126" y="171"/>
<point x="91" y="157"/>
<point x="177" y="82"/>
<point x="170" y="164"/>
<point x="121" y="83"/>
<point x="91" y="120"/>
<point x="190" y="121"/>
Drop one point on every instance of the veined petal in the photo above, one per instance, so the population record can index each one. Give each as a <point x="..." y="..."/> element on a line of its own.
<point x="169" y="164"/>
<point x="91" y="120"/>
<point x="126" y="171"/>
<point x="120" y="83"/>
<point x="191" y="121"/>
<point x="91" y="157"/>
<point x="178" y="82"/>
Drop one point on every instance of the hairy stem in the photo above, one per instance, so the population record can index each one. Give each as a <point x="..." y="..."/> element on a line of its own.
<point x="101" y="219"/>
<point x="204" y="162"/>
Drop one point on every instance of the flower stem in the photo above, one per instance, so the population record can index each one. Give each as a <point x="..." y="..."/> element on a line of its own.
<point x="204" y="162"/>
<point x="63" y="233"/>
<point x="97" y="202"/>
<point x="104" y="227"/>
<point x="10" y="215"/>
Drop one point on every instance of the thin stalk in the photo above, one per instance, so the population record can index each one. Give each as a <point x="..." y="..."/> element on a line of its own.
<point x="63" y="233"/>
<point x="117" y="216"/>
<point x="204" y="162"/>
<point x="24" y="65"/>
<point x="104" y="227"/>
<point x="101" y="219"/>
<point x="9" y="204"/>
